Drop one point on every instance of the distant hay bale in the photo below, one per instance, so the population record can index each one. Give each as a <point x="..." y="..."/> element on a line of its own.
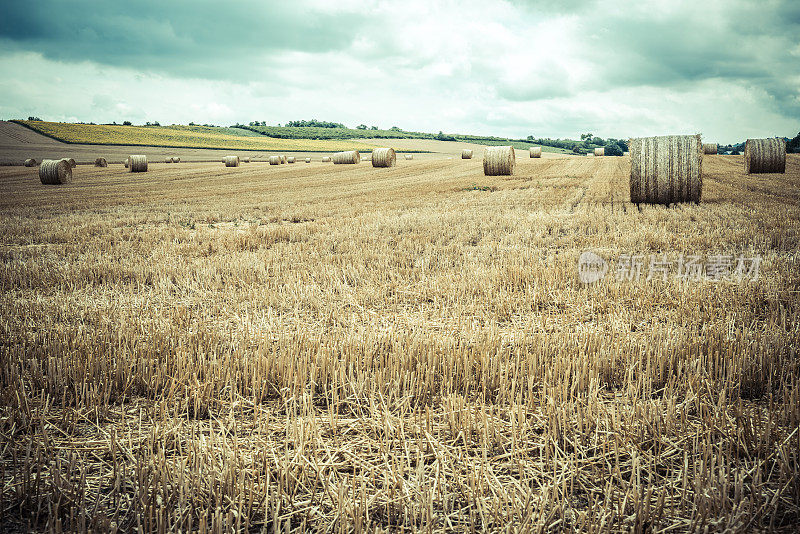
<point x="348" y="157"/>
<point x="599" y="152"/>
<point x="499" y="161"/>
<point x="409" y="156"/>
<point x="326" y="159"/>
<point x="384" y="157"/>
<point x="138" y="163"/>
<point x="55" y="171"/>
<point x="231" y="161"/>
<point x="71" y="162"/>
<point x="466" y="154"/>
<point x="666" y="169"/>
<point x="290" y="159"/>
<point x="176" y="160"/>
<point x="127" y="162"/>
<point x="283" y="159"/>
<point x="274" y="160"/>
<point x="100" y="162"/>
<point x="308" y="160"/>
<point x="709" y="148"/>
<point x="246" y="160"/>
<point x="535" y="151"/>
<point x="30" y="162"/>
<point x="765" y="156"/>
<point x="167" y="160"/>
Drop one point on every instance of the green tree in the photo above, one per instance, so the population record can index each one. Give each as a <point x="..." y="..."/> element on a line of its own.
<point x="793" y="146"/>
<point x="612" y="150"/>
<point x="361" y="127"/>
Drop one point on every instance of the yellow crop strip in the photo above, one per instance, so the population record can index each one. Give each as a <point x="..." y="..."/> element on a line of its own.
<point x="180" y="136"/>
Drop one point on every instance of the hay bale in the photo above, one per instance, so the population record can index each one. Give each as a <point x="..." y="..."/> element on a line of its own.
<point x="349" y="157"/>
<point x="127" y="162"/>
<point x="765" y="156"/>
<point x="535" y="151"/>
<point x="274" y="160"/>
<point x="409" y="156"/>
<point x="666" y="169"/>
<point x="709" y="148"/>
<point x="499" y="161"/>
<point x="30" y="162"/>
<point x="599" y="152"/>
<point x="55" y="171"/>
<point x="71" y="162"/>
<point x="466" y="154"/>
<point x="384" y="157"/>
<point x="100" y="162"/>
<point x="290" y="159"/>
<point x="326" y="159"/>
<point x="245" y="160"/>
<point x="231" y="161"/>
<point x="138" y="163"/>
<point x="167" y="160"/>
<point x="308" y="160"/>
<point x="176" y="160"/>
<point x="283" y="159"/>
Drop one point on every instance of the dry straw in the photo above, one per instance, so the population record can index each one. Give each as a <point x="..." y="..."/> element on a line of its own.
<point x="499" y="161"/>
<point x="765" y="156"/>
<point x="409" y="156"/>
<point x="100" y="162"/>
<point x="231" y="161"/>
<point x="55" y="171"/>
<point x="274" y="160"/>
<point x="536" y="151"/>
<point x="466" y="154"/>
<point x="138" y="163"/>
<point x="290" y="159"/>
<point x="308" y="160"/>
<point x="599" y="151"/>
<point x="666" y="169"/>
<point x="383" y="157"/>
<point x="348" y="157"/>
<point x="176" y="160"/>
<point x="71" y="162"/>
<point x="709" y="148"/>
<point x="326" y="159"/>
<point x="30" y="162"/>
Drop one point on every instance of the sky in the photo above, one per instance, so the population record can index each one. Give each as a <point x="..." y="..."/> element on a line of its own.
<point x="729" y="69"/>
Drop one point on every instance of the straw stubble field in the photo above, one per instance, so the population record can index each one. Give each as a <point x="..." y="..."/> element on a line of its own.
<point x="347" y="348"/>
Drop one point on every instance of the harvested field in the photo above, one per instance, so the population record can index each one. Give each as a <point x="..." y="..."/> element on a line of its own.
<point x="332" y="347"/>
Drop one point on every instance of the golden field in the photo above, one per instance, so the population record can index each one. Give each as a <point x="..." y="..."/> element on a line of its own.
<point x="342" y="348"/>
<point x="180" y="137"/>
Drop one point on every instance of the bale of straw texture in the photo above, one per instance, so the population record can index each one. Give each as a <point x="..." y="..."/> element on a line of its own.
<point x="326" y="159"/>
<point x="167" y="160"/>
<point x="55" y="171"/>
<point x="246" y="160"/>
<point x="290" y="159"/>
<point x="100" y="162"/>
<point x="231" y="161"/>
<point x="274" y="160"/>
<point x="765" y="156"/>
<point x="351" y="156"/>
<point x="71" y="162"/>
<point x="176" y="160"/>
<point x="536" y="151"/>
<point x="499" y="161"/>
<point x="30" y="162"/>
<point x="599" y="152"/>
<point x="138" y="163"/>
<point x="709" y="148"/>
<point x="308" y="160"/>
<point x="666" y="169"/>
<point x="383" y="157"/>
<point x="466" y="154"/>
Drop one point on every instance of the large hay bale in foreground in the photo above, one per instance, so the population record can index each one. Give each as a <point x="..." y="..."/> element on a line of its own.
<point x="100" y="162"/>
<point x="274" y="160"/>
<point x="666" y="169"/>
<point x="709" y="148"/>
<point x="138" y="163"/>
<point x="30" y="162"/>
<point x="499" y="161"/>
<point x="349" y="157"/>
<point x="384" y="157"/>
<point x="535" y="151"/>
<point x="765" y="156"/>
<point x="176" y="160"/>
<point x="55" y="171"/>
<point x="71" y="162"/>
<point x="291" y="159"/>
<point x="326" y="159"/>
<point x="466" y="154"/>
<point x="599" y="152"/>
<point x="308" y="160"/>
<point x="231" y="161"/>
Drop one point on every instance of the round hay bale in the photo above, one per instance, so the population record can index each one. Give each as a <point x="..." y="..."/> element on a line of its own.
<point x="499" y="161"/>
<point x="349" y="157"/>
<point x="765" y="156"/>
<point x="466" y="154"/>
<point x="100" y="162"/>
<point x="383" y="157"/>
<point x="138" y="163"/>
<point x="409" y="156"/>
<point x="709" y="148"/>
<point x="308" y="160"/>
<point x="535" y="151"/>
<point x="71" y="162"/>
<point x="326" y="159"/>
<point x="290" y="159"/>
<point x="167" y="160"/>
<point x="246" y="160"/>
<point x="283" y="159"/>
<point x="127" y="162"/>
<point x="30" y="162"/>
<point x="599" y="152"/>
<point x="176" y="160"/>
<point x="231" y="161"/>
<point x="55" y="171"/>
<point x="666" y="169"/>
<point x="274" y="160"/>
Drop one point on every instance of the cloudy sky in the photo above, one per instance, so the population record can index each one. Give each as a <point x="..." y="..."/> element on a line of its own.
<point x="729" y="69"/>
